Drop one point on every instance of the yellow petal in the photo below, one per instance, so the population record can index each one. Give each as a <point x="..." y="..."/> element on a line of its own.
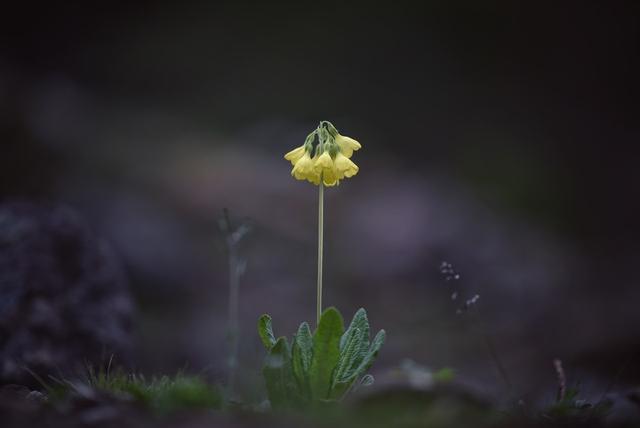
<point x="330" y="177"/>
<point x="344" y="166"/>
<point x="294" y="155"/>
<point x="313" y="176"/>
<point x="347" y="145"/>
<point x="323" y="162"/>
<point x="302" y="167"/>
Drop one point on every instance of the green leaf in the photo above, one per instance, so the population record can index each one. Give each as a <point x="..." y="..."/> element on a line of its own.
<point x="265" y="331"/>
<point x="367" y="380"/>
<point x="277" y="374"/>
<point x="326" y="352"/>
<point x="343" y="383"/>
<point x="360" y="322"/>
<point x="301" y="355"/>
<point x="340" y="388"/>
<point x="358" y="342"/>
<point x="371" y="355"/>
<point x="348" y="355"/>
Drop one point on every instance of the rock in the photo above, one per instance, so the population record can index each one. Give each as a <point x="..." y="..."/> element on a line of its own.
<point x="64" y="300"/>
<point x="36" y="396"/>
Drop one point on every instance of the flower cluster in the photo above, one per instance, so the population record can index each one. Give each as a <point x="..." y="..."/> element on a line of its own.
<point x="324" y="157"/>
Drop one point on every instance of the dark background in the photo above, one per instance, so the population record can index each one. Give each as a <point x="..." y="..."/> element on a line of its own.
<point x="499" y="137"/>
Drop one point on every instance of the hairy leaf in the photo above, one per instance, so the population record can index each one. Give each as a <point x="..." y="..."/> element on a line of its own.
<point x="360" y="322"/>
<point x="367" y="380"/>
<point x="358" y="342"/>
<point x="281" y="388"/>
<point x="301" y="355"/>
<point x="265" y="331"/>
<point x="326" y="352"/>
<point x="339" y="389"/>
<point x="348" y="355"/>
<point x="371" y="355"/>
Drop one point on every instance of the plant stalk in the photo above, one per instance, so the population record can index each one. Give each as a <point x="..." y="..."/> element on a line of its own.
<point x="234" y="285"/>
<point x="320" y="248"/>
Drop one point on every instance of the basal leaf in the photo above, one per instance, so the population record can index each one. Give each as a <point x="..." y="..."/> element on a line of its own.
<point x="265" y="331"/>
<point x="360" y="322"/>
<point x="340" y="388"/>
<point x="348" y="354"/>
<point x="319" y="367"/>
<point x="367" y="380"/>
<point x="301" y="355"/>
<point x="277" y="374"/>
<point x="371" y="355"/>
<point x="326" y="352"/>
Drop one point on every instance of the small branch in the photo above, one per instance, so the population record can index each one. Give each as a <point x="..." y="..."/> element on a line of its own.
<point x="562" y="380"/>
<point x="237" y="266"/>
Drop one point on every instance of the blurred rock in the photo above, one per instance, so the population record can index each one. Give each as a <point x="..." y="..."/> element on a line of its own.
<point x="64" y="300"/>
<point x="36" y="396"/>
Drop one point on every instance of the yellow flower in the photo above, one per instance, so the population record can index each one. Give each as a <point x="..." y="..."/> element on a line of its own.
<point x="331" y="162"/>
<point x="303" y="167"/>
<point x="294" y="155"/>
<point x="330" y="177"/>
<point x="314" y="176"/>
<point x="323" y="161"/>
<point x="325" y="166"/>
<point x="344" y="166"/>
<point x="347" y="145"/>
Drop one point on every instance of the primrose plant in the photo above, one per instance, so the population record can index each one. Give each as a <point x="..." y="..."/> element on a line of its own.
<point x="325" y="365"/>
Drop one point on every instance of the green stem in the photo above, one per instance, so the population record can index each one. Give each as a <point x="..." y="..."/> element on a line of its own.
<point x="320" y="244"/>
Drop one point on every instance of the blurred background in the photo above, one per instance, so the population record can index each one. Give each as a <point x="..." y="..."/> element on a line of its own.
<point x="498" y="138"/>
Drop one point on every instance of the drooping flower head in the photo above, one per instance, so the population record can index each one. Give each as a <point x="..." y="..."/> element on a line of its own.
<point x="324" y="156"/>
